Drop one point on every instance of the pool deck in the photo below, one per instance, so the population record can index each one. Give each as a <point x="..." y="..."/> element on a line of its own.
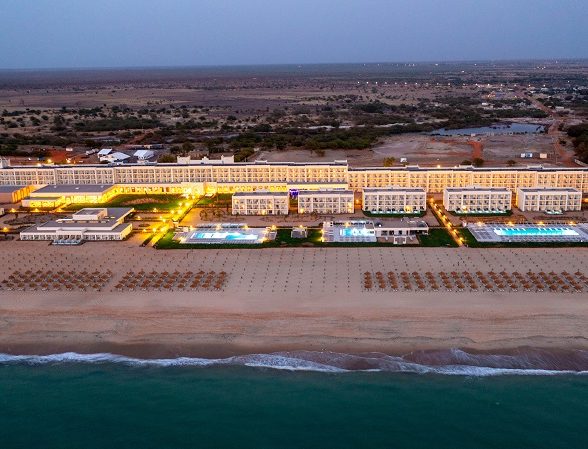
<point x="500" y="233"/>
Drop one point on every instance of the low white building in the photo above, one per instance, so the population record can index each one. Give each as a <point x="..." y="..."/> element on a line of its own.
<point x="103" y="152"/>
<point x="549" y="199"/>
<point x="398" y="231"/>
<point x="472" y="200"/>
<point x="260" y="202"/>
<point x="112" y="156"/>
<point x="51" y="196"/>
<point x="143" y="155"/>
<point x="86" y="224"/>
<point x="325" y="201"/>
<point x="394" y="200"/>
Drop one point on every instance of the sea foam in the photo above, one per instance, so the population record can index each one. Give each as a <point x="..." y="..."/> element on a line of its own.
<point x="529" y="362"/>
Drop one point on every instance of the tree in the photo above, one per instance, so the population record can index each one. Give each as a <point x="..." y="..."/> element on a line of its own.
<point x="511" y="162"/>
<point x="478" y="162"/>
<point x="187" y="147"/>
<point x="167" y="158"/>
<point x="389" y="161"/>
<point x="466" y="162"/>
<point x="58" y="123"/>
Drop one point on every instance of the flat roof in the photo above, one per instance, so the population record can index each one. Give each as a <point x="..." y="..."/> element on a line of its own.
<point x="477" y="189"/>
<point x="325" y="192"/>
<point x="394" y="189"/>
<point x="74" y="188"/>
<point x="91" y="211"/>
<point x="11" y="189"/>
<point x="400" y="223"/>
<point x="260" y="193"/>
<point x="549" y="189"/>
<point x="49" y="228"/>
<point x="113" y="214"/>
<point x="302" y="164"/>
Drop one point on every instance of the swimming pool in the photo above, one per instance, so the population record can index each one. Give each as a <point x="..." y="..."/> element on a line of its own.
<point x="356" y="232"/>
<point x="535" y="231"/>
<point x="529" y="233"/>
<point x="229" y="236"/>
<point x="229" y="233"/>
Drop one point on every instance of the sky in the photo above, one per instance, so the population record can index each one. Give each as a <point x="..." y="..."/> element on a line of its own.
<point x="131" y="33"/>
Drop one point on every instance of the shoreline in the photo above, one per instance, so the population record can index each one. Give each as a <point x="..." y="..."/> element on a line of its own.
<point x="282" y="299"/>
<point x="154" y="351"/>
<point x="217" y="325"/>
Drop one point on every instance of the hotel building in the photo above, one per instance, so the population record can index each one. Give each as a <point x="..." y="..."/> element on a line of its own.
<point x="51" y="196"/>
<point x="548" y="199"/>
<point x="394" y="200"/>
<point x="477" y="199"/>
<point x="325" y="201"/>
<point x="260" y="203"/>
<point x="13" y="194"/>
<point x="199" y="177"/>
<point x="86" y="224"/>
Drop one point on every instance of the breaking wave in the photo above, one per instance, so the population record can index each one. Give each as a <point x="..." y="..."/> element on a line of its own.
<point x="524" y="361"/>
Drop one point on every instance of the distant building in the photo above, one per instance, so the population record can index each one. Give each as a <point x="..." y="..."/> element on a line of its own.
<point x="260" y="203"/>
<point x="467" y="200"/>
<point x="113" y="156"/>
<point x="325" y="201"/>
<point x="549" y="199"/>
<point x="104" y="152"/>
<point x="143" y="155"/>
<point x="86" y="224"/>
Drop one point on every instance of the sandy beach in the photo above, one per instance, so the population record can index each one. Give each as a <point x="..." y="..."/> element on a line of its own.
<point x="285" y="299"/>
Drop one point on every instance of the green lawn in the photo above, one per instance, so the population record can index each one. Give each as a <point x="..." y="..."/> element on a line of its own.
<point x="437" y="237"/>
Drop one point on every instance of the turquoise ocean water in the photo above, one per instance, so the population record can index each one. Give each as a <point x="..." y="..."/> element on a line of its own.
<point x="108" y="402"/>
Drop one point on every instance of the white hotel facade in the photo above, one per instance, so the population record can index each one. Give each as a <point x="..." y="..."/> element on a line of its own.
<point x="477" y="199"/>
<point x="549" y="199"/>
<point x="394" y="200"/>
<point x="260" y="202"/>
<point x="199" y="177"/>
<point x="325" y="201"/>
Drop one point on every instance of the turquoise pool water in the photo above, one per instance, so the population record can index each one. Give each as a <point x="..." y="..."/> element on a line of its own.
<point x="356" y="232"/>
<point x="535" y="231"/>
<point x="229" y="236"/>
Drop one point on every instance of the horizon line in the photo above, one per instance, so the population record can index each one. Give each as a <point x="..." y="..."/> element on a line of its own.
<point x="289" y="64"/>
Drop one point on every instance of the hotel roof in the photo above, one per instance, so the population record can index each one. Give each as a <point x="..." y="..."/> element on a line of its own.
<point x="260" y="193"/>
<point x="325" y="192"/>
<point x="337" y="163"/>
<point x="10" y="189"/>
<point x="394" y="189"/>
<point x="477" y="189"/>
<point x="549" y="189"/>
<point x="73" y="188"/>
<point x="113" y="215"/>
